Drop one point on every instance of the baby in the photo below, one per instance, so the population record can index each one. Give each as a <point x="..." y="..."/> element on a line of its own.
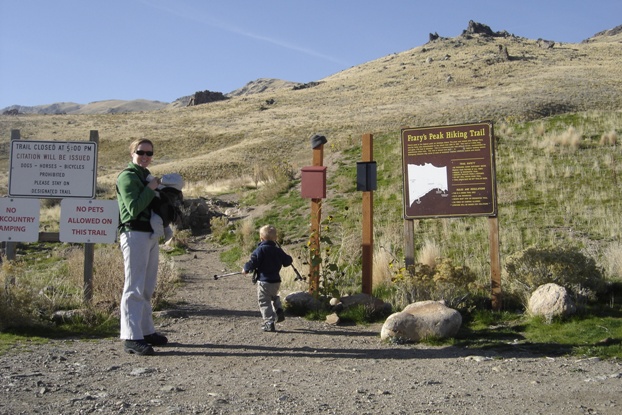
<point x="174" y="181"/>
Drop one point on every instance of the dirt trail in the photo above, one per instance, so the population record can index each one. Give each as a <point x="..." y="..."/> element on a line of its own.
<point x="220" y="362"/>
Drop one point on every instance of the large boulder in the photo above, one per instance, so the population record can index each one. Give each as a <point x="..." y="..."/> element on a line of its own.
<point x="302" y="300"/>
<point x="551" y="300"/>
<point x="374" y="304"/>
<point x="420" y="320"/>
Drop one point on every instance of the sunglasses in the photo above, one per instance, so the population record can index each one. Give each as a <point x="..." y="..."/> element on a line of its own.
<point x="143" y="153"/>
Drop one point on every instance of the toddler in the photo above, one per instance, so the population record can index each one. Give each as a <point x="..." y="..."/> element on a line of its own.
<point x="266" y="261"/>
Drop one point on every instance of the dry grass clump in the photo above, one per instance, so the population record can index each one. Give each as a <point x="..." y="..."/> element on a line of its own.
<point x="609" y="139"/>
<point x="220" y="228"/>
<point x="181" y="238"/>
<point x="109" y="277"/>
<point x="169" y="278"/>
<point x="429" y="254"/>
<point x="277" y="177"/>
<point x="568" y="139"/>
<point x="31" y="293"/>
<point x="612" y="261"/>
<point x="49" y="216"/>
<point x="539" y="129"/>
<point x="247" y="234"/>
<point x="17" y="300"/>
<point x="381" y="268"/>
<point x="206" y="188"/>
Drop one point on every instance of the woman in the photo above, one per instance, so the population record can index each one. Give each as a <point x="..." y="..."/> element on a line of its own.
<point x="140" y="251"/>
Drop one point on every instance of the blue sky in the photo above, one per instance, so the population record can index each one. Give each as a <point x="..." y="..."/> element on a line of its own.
<point x="92" y="50"/>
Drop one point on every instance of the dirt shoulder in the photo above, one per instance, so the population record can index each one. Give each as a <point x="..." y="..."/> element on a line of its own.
<point x="220" y="362"/>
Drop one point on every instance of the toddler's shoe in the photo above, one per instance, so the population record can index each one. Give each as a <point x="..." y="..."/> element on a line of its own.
<point x="280" y="315"/>
<point x="268" y="326"/>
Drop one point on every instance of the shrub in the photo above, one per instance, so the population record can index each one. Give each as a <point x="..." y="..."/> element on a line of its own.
<point x="17" y="301"/>
<point x="30" y="293"/>
<point x="278" y="178"/>
<point x="222" y="229"/>
<point x="443" y="281"/>
<point x="568" y="267"/>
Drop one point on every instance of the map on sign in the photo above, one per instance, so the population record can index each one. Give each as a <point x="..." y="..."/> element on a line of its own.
<point x="424" y="179"/>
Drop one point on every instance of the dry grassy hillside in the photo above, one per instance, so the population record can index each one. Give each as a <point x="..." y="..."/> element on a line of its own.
<point x="446" y="81"/>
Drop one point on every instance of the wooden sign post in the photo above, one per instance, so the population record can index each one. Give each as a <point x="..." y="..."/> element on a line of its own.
<point x="368" y="219"/>
<point x="317" y="143"/>
<point x="495" y="263"/>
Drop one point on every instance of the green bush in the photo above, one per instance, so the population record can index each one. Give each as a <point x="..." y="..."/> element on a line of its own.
<point x="443" y="281"/>
<point x="568" y="267"/>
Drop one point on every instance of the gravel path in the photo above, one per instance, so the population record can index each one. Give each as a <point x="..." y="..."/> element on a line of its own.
<point x="220" y="362"/>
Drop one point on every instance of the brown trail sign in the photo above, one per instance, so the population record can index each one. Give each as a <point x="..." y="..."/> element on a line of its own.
<point x="449" y="171"/>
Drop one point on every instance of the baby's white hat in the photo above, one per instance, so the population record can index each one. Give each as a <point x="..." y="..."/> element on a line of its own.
<point x="173" y="180"/>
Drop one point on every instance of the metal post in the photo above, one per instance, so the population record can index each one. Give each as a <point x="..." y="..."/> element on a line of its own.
<point x="409" y="242"/>
<point x="89" y="249"/>
<point x="368" y="222"/>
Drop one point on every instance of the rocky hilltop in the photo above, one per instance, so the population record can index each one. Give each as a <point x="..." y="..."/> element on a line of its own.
<point x="482" y="74"/>
<point x="260" y="85"/>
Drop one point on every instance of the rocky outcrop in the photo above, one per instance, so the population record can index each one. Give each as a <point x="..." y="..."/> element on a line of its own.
<point x="205" y="97"/>
<point x="545" y="44"/>
<point x="262" y="85"/>
<point x="481" y="29"/>
<point x="611" y="32"/>
<point x="196" y="214"/>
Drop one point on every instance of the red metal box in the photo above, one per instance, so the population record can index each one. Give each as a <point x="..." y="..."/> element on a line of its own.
<point x="313" y="182"/>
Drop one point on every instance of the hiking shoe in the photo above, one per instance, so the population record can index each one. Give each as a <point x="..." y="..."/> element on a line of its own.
<point x="156" y="339"/>
<point x="280" y="315"/>
<point x="139" y="347"/>
<point x="268" y="326"/>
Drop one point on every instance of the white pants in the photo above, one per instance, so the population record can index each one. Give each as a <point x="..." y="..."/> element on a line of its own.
<point x="268" y="299"/>
<point x="140" y="257"/>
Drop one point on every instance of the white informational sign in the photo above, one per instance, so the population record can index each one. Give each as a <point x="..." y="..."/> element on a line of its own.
<point x="19" y="219"/>
<point x="53" y="169"/>
<point x="88" y="220"/>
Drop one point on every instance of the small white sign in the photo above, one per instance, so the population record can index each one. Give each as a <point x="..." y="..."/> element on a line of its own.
<point x="19" y="219"/>
<point x="88" y="220"/>
<point x="53" y="169"/>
